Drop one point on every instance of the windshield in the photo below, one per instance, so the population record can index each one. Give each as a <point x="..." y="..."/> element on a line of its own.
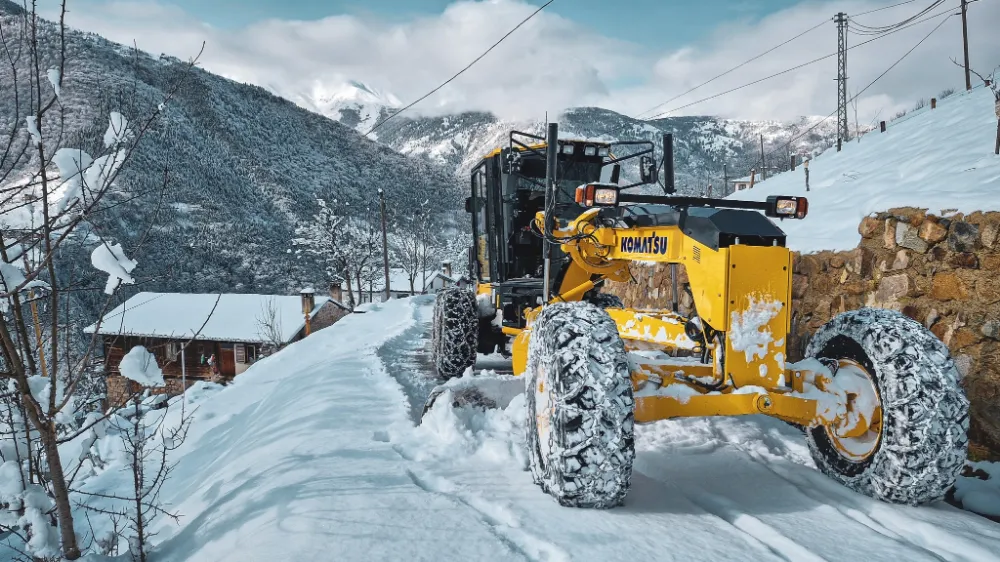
<point x="570" y="175"/>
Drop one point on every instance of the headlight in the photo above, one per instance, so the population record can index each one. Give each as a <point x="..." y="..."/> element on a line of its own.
<point x="603" y="151"/>
<point x="567" y="149"/>
<point x="606" y="196"/>
<point x="590" y="150"/>
<point x="599" y="195"/>
<point x="787" y="207"/>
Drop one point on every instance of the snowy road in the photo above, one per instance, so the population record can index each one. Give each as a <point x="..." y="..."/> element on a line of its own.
<point x="704" y="489"/>
<point x="313" y="455"/>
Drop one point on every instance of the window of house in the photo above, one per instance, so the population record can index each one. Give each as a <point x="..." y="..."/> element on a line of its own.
<point x="251" y="353"/>
<point x="241" y="353"/>
<point x="173" y="350"/>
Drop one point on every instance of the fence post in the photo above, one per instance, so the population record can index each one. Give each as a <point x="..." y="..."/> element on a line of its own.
<point x="933" y="103"/>
<point x="839" y="144"/>
<point x="881" y="126"/>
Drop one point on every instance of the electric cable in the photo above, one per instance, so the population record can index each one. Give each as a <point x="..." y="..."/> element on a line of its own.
<point x="796" y="67"/>
<point x="742" y="64"/>
<point x="460" y="72"/>
<point x="870" y="84"/>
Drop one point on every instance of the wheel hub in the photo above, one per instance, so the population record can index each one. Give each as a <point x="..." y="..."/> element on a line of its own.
<point x="858" y="431"/>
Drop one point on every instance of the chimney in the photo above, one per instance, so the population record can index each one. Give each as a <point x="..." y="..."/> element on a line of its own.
<point x="336" y="293"/>
<point x="446" y="268"/>
<point x="308" y="301"/>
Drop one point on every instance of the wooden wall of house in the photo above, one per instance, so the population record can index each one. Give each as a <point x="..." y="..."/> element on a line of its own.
<point x="116" y="347"/>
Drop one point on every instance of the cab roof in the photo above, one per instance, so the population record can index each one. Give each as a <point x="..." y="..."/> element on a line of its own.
<point x="542" y="145"/>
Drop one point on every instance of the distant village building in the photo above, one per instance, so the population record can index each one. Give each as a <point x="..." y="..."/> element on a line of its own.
<point x="741" y="184"/>
<point x="399" y="284"/>
<point x="191" y="342"/>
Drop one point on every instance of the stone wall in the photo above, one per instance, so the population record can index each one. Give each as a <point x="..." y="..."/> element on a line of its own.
<point x="941" y="271"/>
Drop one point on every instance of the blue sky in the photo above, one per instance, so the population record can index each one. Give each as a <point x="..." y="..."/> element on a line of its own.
<point x="654" y="23"/>
<point x="624" y="55"/>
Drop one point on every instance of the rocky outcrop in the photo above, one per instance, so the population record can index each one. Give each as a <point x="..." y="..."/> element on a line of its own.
<point x="941" y="271"/>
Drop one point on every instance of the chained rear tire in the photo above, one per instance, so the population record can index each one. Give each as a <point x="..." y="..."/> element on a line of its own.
<point x="923" y="439"/>
<point x="455" y="331"/>
<point x="580" y="408"/>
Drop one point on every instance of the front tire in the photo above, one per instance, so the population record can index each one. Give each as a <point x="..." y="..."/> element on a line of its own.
<point x="455" y="331"/>
<point x="580" y="407"/>
<point x="922" y="438"/>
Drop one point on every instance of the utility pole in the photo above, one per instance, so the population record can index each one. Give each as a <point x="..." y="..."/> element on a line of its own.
<point x="763" y="165"/>
<point x="385" y="245"/>
<point x="965" y="43"/>
<point x="725" y="179"/>
<point x="842" y="132"/>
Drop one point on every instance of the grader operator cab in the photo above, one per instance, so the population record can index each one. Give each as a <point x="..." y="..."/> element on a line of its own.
<point x="877" y="394"/>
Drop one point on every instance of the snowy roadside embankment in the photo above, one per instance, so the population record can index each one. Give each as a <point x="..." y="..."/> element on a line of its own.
<point x="311" y="455"/>
<point x="292" y="462"/>
<point x="939" y="160"/>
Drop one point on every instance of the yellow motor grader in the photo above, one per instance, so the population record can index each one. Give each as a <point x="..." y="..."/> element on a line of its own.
<point x="877" y="394"/>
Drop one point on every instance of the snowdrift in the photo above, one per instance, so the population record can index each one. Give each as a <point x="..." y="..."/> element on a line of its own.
<point x="940" y="159"/>
<point x="313" y="454"/>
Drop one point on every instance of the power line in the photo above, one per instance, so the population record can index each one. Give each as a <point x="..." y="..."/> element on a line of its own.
<point x="862" y="29"/>
<point x="870" y="84"/>
<point x="882" y="8"/>
<point x="742" y="64"/>
<point x="796" y="67"/>
<point x="459" y="73"/>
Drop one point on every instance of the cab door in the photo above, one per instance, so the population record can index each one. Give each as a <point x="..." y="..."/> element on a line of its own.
<point x="480" y="224"/>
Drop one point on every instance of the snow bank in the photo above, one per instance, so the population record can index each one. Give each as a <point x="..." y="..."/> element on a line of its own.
<point x="941" y="159"/>
<point x="310" y="455"/>
<point x="981" y="495"/>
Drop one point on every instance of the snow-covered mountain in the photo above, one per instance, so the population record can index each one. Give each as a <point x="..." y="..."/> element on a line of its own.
<point x="706" y="149"/>
<point x="355" y="104"/>
<point x="245" y="169"/>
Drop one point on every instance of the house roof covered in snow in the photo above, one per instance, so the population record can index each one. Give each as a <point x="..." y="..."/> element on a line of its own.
<point x="237" y="318"/>
<point x="399" y="281"/>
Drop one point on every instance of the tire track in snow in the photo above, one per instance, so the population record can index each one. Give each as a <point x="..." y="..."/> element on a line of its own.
<point x="406" y="359"/>
<point x="756" y="529"/>
<point x="501" y="521"/>
<point x="401" y="358"/>
<point x="912" y="534"/>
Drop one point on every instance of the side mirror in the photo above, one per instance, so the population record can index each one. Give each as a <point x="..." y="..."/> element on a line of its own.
<point x="468" y="204"/>
<point x="616" y="172"/>
<point x="647" y="169"/>
<point x="505" y="160"/>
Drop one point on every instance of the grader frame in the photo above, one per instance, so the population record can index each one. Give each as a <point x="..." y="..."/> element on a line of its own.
<point x="590" y="367"/>
<point x="739" y="287"/>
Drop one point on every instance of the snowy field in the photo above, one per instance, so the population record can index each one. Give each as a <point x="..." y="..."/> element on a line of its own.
<point x="939" y="159"/>
<point x="313" y="454"/>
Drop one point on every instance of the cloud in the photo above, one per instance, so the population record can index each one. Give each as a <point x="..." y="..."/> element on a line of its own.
<point x="551" y="62"/>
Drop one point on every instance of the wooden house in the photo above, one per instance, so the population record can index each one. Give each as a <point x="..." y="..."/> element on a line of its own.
<point x="424" y="283"/>
<point x="206" y="336"/>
